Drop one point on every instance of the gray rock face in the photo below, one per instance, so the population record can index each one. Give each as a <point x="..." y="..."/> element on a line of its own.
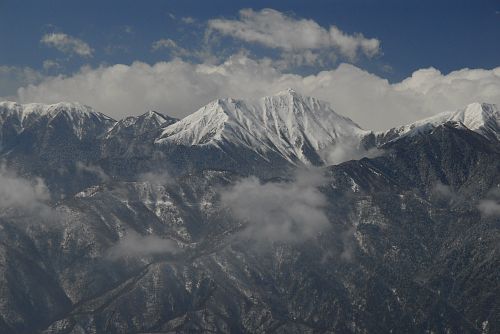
<point x="143" y="239"/>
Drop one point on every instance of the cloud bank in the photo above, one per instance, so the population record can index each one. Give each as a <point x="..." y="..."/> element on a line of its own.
<point x="279" y="211"/>
<point x="178" y="88"/>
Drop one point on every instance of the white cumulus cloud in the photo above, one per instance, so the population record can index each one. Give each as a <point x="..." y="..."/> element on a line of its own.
<point x="67" y="44"/>
<point x="274" y="29"/>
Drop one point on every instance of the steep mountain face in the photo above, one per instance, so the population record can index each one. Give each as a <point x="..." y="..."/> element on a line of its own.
<point x="288" y="126"/>
<point x="146" y="242"/>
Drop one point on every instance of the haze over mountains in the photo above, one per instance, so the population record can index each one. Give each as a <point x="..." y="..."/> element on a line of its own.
<point x="269" y="215"/>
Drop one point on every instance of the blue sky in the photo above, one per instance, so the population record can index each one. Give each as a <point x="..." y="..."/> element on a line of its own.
<point x="414" y="34"/>
<point x="44" y="39"/>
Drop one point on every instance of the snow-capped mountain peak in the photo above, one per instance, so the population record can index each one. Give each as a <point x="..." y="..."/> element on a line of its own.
<point x="286" y="123"/>
<point x="201" y="127"/>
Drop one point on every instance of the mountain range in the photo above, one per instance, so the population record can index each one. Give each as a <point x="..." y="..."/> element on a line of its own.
<point x="248" y="216"/>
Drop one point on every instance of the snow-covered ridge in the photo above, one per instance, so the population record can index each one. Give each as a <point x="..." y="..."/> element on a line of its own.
<point x="483" y="118"/>
<point x="78" y="116"/>
<point x="31" y="109"/>
<point x="286" y="123"/>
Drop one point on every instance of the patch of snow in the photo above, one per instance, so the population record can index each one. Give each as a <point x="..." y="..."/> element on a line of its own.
<point x="354" y="186"/>
<point x="89" y="192"/>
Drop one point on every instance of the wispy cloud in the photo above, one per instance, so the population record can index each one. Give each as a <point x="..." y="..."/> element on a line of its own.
<point x="445" y="195"/>
<point x="92" y="169"/>
<point x="20" y="195"/>
<point x="67" y="44"/>
<point x="490" y="206"/>
<point x="135" y="245"/>
<point x="170" y="45"/>
<point x="347" y="149"/>
<point x="279" y="211"/>
<point x="164" y="43"/>
<point x="128" y="29"/>
<point x="50" y="64"/>
<point x="188" y="20"/>
<point x="156" y="178"/>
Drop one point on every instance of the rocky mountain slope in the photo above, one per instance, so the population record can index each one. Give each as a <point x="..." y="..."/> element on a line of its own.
<point x="276" y="215"/>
